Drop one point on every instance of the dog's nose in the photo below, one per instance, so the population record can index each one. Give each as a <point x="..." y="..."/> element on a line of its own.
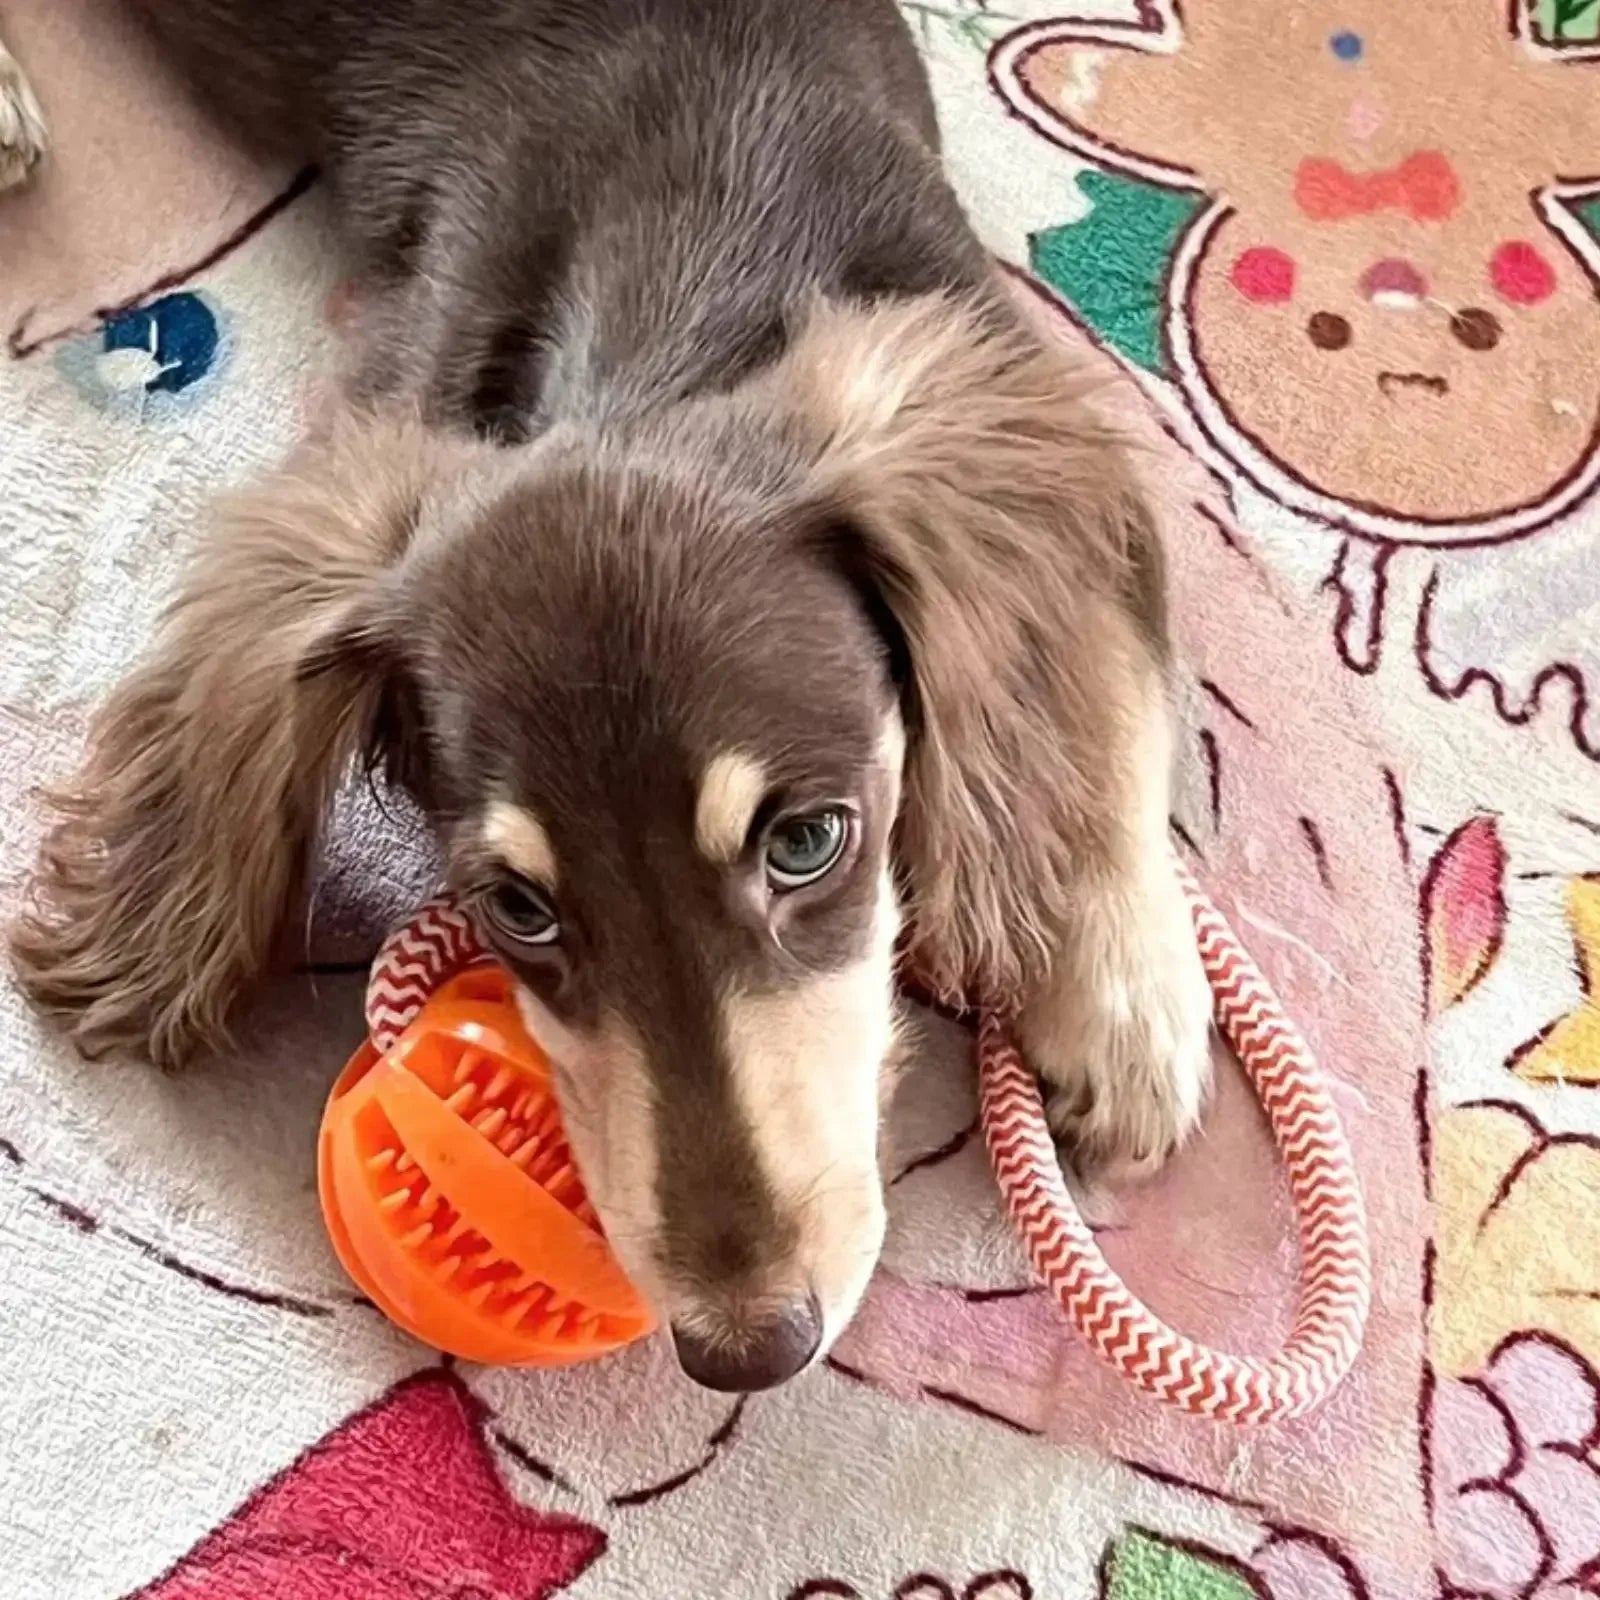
<point x="758" y="1358"/>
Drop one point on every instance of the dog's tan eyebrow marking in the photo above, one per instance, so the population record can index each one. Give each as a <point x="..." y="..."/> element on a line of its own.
<point x="730" y="791"/>
<point x="519" y="839"/>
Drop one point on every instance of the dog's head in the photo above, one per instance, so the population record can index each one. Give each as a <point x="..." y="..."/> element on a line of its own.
<point x="705" y="706"/>
<point x="658" y="731"/>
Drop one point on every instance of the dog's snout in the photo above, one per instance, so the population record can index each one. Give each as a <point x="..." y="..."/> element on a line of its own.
<point x="758" y="1357"/>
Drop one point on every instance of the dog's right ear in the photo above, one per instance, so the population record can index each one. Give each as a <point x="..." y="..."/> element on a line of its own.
<point x="182" y="843"/>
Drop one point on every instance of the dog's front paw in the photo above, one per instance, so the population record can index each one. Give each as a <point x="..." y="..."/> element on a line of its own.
<point x="22" y="134"/>
<point x="1121" y="1035"/>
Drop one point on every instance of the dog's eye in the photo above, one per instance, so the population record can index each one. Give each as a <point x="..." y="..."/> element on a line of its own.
<point x="803" y="848"/>
<point x="521" y="912"/>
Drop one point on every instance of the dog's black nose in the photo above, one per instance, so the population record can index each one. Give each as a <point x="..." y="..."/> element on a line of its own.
<point x="757" y="1358"/>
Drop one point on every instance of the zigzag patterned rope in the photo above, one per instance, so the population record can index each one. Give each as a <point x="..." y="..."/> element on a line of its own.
<point x="440" y="939"/>
<point x="1336" y="1274"/>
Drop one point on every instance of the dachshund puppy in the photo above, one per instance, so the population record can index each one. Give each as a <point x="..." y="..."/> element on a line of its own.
<point x="743" y="589"/>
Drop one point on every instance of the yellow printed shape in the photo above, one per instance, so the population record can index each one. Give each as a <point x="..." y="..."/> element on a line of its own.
<point x="1568" y="1051"/>
<point x="1515" y="1246"/>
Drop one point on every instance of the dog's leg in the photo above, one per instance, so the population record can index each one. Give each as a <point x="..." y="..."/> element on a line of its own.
<point x="1120" y="1031"/>
<point x="22" y="131"/>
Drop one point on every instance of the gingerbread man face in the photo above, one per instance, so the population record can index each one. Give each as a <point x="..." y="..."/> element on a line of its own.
<point x="1382" y="303"/>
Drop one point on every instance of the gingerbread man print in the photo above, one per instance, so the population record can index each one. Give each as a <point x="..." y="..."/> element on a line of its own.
<point x="1380" y="299"/>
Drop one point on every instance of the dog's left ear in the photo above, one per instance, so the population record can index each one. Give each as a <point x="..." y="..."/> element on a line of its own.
<point x="181" y="844"/>
<point x="996" y="527"/>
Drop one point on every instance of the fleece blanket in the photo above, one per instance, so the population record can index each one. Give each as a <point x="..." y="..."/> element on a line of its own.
<point x="1355" y="317"/>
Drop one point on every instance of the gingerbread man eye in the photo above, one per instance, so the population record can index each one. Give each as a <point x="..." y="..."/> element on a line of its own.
<point x="1327" y="330"/>
<point x="1476" y="328"/>
<point x="1264" y="276"/>
<point x="1346" y="46"/>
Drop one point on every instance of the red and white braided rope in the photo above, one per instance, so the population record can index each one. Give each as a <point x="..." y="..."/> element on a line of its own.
<point x="1335" y="1272"/>
<point x="1336" y="1282"/>
<point x="433" y="944"/>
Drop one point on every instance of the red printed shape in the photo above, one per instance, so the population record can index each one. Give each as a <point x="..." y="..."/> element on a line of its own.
<point x="400" y="1502"/>
<point x="1264" y="275"/>
<point x="1429" y="190"/>
<point x="1463" y="912"/>
<point x="1424" y="186"/>
<point x="1520" y="274"/>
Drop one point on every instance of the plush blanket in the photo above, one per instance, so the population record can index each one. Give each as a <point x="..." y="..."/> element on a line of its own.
<point x="1357" y="320"/>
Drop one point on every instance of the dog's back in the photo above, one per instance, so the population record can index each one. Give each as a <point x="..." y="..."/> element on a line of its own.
<point x="586" y="202"/>
<point x="280" y="67"/>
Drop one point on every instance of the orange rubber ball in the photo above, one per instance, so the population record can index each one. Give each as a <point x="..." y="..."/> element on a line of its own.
<point x="451" y="1196"/>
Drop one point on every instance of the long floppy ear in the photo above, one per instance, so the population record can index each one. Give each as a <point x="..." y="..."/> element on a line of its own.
<point x="179" y="847"/>
<point x="999" y="525"/>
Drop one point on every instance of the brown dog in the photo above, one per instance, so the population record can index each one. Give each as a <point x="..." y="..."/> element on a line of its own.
<point x="734" y="578"/>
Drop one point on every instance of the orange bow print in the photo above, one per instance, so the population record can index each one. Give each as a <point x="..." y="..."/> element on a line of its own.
<point x="1424" y="186"/>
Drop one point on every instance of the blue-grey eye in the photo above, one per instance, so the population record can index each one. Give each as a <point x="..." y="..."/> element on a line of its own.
<point x="803" y="848"/>
<point x="521" y="913"/>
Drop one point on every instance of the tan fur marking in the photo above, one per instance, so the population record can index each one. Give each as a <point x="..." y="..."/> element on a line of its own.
<point x="730" y="791"/>
<point x="604" y="1087"/>
<point x="520" y="840"/>
<point x="808" y="1066"/>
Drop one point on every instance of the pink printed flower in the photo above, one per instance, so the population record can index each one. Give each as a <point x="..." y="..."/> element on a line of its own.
<point x="1288" y="1564"/>
<point x="1517" y="1473"/>
<point x="1002" y="1584"/>
<point x="400" y="1502"/>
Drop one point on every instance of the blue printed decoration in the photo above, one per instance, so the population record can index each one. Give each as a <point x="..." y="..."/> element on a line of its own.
<point x="178" y="335"/>
<point x="145" y="362"/>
